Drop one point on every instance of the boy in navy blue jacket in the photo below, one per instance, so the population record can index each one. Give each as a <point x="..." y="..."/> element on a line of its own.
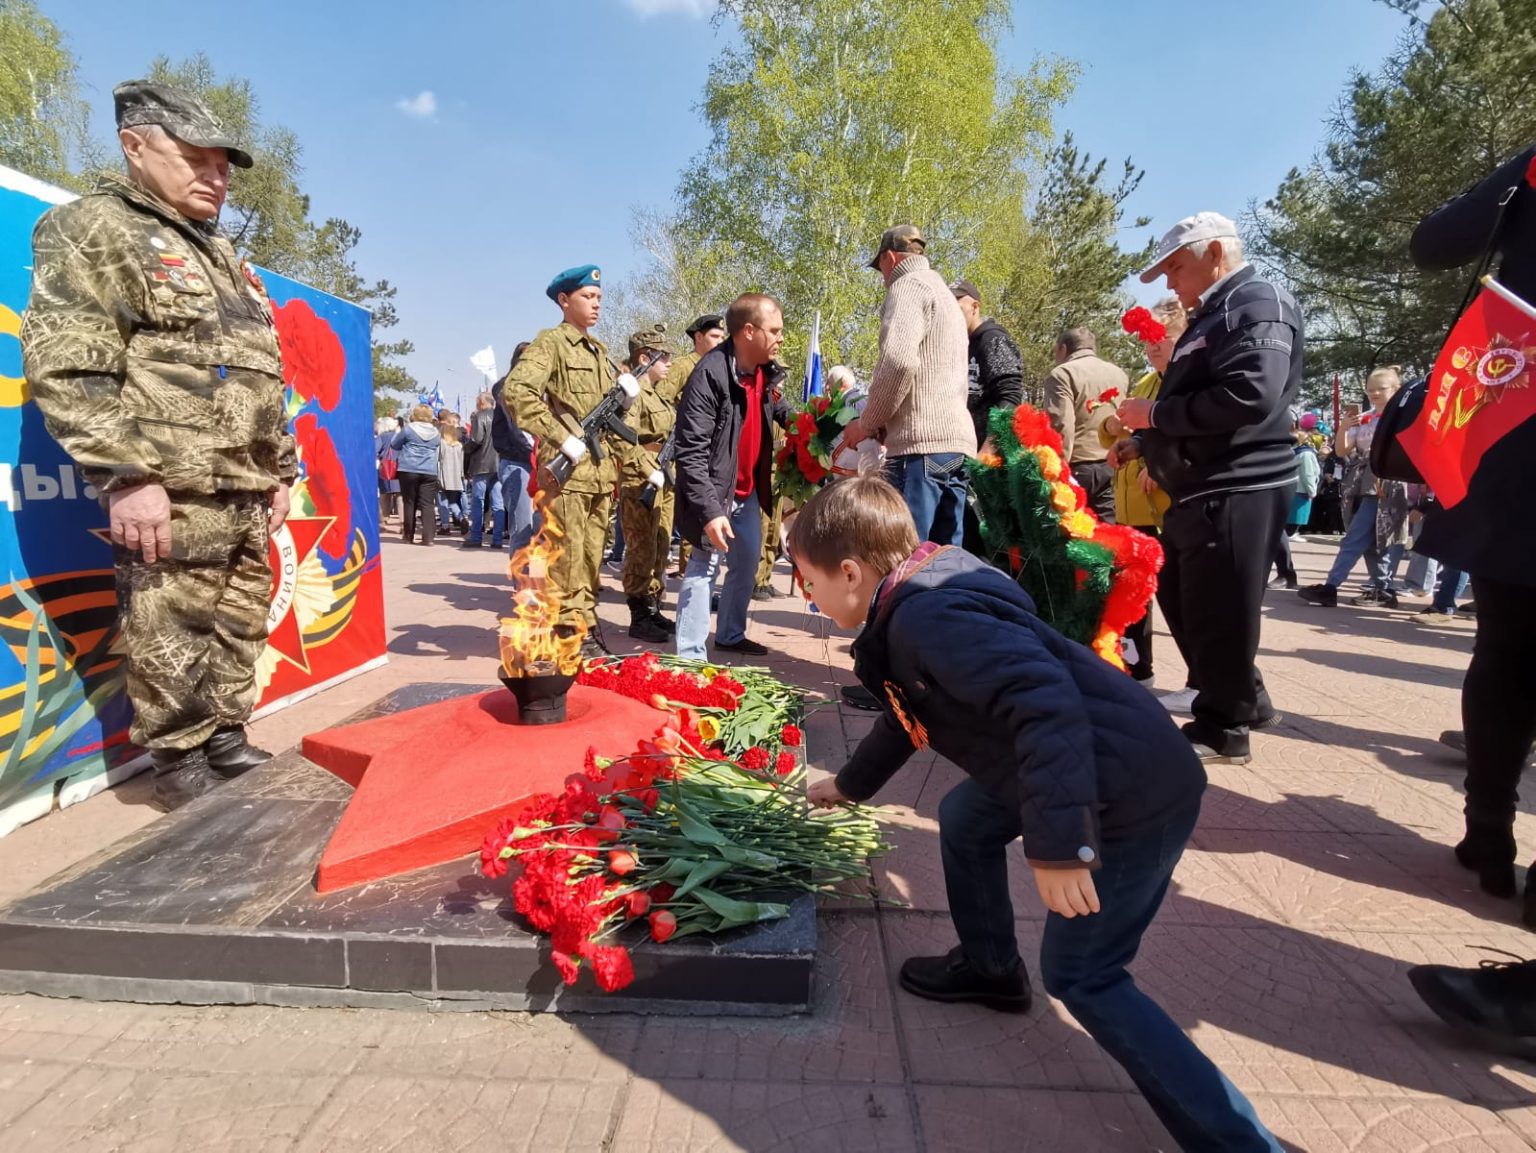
<point x="1060" y="749"/>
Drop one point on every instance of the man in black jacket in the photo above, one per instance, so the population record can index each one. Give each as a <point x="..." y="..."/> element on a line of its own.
<point x="997" y="374"/>
<point x="514" y="465"/>
<point x="480" y="469"/>
<point x="1218" y="440"/>
<point x="724" y="463"/>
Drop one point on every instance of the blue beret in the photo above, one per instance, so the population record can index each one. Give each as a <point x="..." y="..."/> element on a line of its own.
<point x="573" y="278"/>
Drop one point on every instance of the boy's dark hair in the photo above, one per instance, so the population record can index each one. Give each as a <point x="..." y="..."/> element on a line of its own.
<point x="862" y="517"/>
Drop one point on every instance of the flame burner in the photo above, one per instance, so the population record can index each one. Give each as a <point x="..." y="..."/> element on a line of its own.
<point x="540" y="693"/>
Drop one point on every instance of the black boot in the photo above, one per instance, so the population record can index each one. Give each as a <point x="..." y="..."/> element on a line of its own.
<point x="230" y="754"/>
<point x="181" y="775"/>
<point x="664" y="621"/>
<point x="952" y="977"/>
<point x="1488" y="849"/>
<point x="1495" y="1003"/>
<point x="642" y="626"/>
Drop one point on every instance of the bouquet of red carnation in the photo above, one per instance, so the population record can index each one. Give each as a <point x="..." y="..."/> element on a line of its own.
<point x="815" y="435"/>
<point x="1141" y="324"/>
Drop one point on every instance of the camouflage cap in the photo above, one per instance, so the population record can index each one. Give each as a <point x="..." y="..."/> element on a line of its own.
<point x="653" y="339"/>
<point x="180" y="113"/>
<point x="902" y="238"/>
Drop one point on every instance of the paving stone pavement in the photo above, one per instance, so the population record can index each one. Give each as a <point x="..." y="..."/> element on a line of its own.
<point x="1317" y="875"/>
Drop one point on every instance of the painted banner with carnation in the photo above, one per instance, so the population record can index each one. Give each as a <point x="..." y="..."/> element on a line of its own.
<point x="63" y="713"/>
<point x="693" y="831"/>
<point x="1089" y="580"/>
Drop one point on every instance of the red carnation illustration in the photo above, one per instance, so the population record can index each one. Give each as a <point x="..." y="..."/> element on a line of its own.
<point x="314" y="362"/>
<point x="327" y="482"/>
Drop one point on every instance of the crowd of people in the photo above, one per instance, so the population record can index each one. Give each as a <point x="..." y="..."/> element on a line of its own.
<point x="1207" y="452"/>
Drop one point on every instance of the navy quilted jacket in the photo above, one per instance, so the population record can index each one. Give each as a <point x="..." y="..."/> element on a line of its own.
<point x="1038" y="720"/>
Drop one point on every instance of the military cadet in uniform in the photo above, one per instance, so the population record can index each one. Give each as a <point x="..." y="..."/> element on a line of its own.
<point x="561" y="377"/>
<point x="150" y="350"/>
<point x="647" y="529"/>
<point x="706" y="332"/>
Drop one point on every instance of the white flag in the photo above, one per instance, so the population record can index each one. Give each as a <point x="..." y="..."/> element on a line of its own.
<point x="485" y="362"/>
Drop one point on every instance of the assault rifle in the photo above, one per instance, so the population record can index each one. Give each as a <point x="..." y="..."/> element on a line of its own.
<point x="606" y="416"/>
<point x="664" y="471"/>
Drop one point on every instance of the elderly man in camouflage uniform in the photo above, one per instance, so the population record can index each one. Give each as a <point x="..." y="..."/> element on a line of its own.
<point x="149" y="348"/>
<point x="647" y="528"/>
<point x="562" y="375"/>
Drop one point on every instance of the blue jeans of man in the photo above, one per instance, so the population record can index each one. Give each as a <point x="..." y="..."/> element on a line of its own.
<point x="735" y="595"/>
<point x="1360" y="541"/>
<point x="480" y="487"/>
<point x="934" y="487"/>
<point x="1453" y="585"/>
<point x="515" y="501"/>
<point x="1083" y="961"/>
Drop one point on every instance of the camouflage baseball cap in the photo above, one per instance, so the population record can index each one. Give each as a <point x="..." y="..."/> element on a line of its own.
<point x="653" y="339"/>
<point x="902" y="238"/>
<point x="180" y="113"/>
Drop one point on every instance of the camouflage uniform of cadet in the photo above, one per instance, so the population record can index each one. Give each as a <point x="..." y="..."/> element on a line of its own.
<point x="671" y="391"/>
<point x="647" y="530"/>
<point x="150" y="349"/>
<point x="561" y="377"/>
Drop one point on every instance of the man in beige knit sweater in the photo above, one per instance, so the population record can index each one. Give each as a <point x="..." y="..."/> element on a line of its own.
<point x="917" y="397"/>
<point x="1081" y="393"/>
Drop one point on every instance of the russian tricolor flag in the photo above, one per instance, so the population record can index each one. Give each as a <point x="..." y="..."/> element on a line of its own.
<point x="813" y="361"/>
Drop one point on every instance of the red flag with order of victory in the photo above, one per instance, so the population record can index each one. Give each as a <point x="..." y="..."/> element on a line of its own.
<point x="1481" y="388"/>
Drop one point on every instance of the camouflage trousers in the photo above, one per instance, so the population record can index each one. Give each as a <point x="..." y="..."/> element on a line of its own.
<point x="574" y="576"/>
<point x="647" y="541"/>
<point x="194" y="626"/>
<point x="771" y="522"/>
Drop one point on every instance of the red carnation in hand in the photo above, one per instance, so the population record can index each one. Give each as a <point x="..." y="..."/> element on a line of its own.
<point x="1109" y="396"/>
<point x="314" y="363"/>
<point x="1142" y="324"/>
<point x="792" y="736"/>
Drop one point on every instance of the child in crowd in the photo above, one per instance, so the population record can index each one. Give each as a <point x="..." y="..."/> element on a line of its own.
<point x="1060" y="749"/>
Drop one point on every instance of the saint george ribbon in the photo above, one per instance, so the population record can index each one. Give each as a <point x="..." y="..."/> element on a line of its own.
<point x="1480" y="390"/>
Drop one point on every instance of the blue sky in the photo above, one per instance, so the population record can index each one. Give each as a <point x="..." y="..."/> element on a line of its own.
<point x="482" y="146"/>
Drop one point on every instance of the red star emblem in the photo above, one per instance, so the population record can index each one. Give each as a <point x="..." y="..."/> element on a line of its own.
<point x="289" y="548"/>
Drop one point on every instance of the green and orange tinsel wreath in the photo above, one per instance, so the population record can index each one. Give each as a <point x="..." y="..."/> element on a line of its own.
<point x="1089" y="580"/>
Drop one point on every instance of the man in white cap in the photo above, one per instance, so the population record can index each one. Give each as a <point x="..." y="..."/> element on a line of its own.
<point x="1218" y="440"/>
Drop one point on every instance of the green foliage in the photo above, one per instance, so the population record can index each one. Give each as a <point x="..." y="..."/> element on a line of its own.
<point x="832" y="120"/>
<point x="42" y="117"/>
<point x="1447" y="107"/>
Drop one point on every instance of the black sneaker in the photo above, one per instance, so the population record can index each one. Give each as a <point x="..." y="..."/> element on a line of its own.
<point x="1382" y="598"/>
<point x="860" y="698"/>
<point x="1213" y="752"/>
<point x="952" y="978"/>
<point x="743" y="646"/>
<point x="1494" y="1003"/>
<point x="762" y="593"/>
<point x="1433" y="611"/>
<point x="1324" y="596"/>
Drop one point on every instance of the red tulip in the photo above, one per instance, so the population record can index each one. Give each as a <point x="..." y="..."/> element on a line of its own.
<point x="621" y="862"/>
<point x="639" y="904"/>
<point x="663" y="925"/>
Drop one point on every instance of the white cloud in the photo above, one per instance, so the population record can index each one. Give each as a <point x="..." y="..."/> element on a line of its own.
<point x="697" y="9"/>
<point x="422" y="106"/>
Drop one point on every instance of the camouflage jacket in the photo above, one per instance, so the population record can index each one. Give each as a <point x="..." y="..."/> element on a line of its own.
<point x="559" y="379"/>
<point x="671" y="387"/>
<point x="150" y="349"/>
<point x="652" y="419"/>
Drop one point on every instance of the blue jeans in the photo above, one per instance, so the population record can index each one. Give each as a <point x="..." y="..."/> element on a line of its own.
<point x="1453" y="586"/>
<point x="934" y="487"/>
<point x="448" y="505"/>
<point x="479" y="487"/>
<point x="1083" y="961"/>
<point x="736" y="595"/>
<point x="518" y="505"/>
<point x="1360" y="541"/>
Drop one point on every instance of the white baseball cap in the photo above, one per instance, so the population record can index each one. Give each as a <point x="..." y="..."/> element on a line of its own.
<point x="1190" y="230"/>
